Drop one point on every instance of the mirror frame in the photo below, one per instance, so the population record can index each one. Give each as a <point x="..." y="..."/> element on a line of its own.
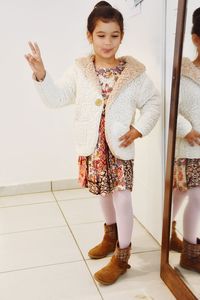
<point x="167" y="273"/>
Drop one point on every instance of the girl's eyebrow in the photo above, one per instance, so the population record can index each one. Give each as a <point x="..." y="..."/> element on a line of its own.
<point x="105" y="32"/>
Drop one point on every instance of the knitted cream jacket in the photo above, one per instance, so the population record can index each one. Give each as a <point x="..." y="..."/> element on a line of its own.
<point x="80" y="85"/>
<point x="189" y="109"/>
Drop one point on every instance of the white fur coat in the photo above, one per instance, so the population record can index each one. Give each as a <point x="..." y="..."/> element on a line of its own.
<point x="79" y="85"/>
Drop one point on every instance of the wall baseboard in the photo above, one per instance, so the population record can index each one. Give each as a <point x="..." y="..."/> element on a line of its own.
<point x="39" y="187"/>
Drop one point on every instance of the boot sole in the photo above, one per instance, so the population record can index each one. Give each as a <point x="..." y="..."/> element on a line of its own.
<point x="107" y="283"/>
<point x="97" y="257"/>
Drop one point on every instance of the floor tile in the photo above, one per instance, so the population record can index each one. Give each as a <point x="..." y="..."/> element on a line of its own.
<point x="69" y="281"/>
<point x="37" y="248"/>
<point x="28" y="217"/>
<point x="82" y="210"/>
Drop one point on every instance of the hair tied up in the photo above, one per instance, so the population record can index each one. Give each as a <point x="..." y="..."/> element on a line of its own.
<point x="102" y="4"/>
<point x="196" y="15"/>
<point x="196" y="22"/>
<point x="104" y="12"/>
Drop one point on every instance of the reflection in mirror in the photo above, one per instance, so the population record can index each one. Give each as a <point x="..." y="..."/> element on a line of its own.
<point x="185" y="228"/>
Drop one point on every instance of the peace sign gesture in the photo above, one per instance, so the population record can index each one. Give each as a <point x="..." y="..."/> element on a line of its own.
<point x="35" y="61"/>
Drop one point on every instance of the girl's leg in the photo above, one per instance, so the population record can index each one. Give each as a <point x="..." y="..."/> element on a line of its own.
<point x="178" y="198"/>
<point x="124" y="216"/>
<point x="108" y="209"/>
<point x="192" y="216"/>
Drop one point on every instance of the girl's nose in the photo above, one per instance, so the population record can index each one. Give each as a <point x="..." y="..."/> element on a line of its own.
<point x="108" y="42"/>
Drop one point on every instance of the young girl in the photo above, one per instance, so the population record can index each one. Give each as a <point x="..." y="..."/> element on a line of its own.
<point x="187" y="163"/>
<point x="106" y="90"/>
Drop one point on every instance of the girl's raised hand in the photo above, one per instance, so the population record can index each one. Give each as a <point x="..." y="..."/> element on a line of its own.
<point x="35" y="61"/>
<point x="193" y="137"/>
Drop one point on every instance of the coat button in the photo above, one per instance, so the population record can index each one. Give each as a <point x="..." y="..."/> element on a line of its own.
<point x="98" y="102"/>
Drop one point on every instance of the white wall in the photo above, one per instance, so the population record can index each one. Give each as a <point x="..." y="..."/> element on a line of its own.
<point x="37" y="143"/>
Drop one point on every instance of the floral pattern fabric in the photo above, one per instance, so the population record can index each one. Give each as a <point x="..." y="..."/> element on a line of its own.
<point x="101" y="172"/>
<point x="186" y="173"/>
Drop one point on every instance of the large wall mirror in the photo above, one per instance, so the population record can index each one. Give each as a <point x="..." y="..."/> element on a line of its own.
<point x="180" y="262"/>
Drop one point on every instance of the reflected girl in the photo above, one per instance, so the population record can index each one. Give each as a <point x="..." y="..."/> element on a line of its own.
<point x="187" y="158"/>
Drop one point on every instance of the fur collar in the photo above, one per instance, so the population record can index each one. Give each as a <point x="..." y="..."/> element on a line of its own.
<point x="190" y="70"/>
<point x="133" y="69"/>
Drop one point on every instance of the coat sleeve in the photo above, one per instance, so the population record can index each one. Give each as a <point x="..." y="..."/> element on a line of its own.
<point x="60" y="92"/>
<point x="148" y="102"/>
<point x="183" y="125"/>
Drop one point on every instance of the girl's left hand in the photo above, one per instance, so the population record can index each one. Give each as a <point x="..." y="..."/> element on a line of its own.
<point x="129" y="137"/>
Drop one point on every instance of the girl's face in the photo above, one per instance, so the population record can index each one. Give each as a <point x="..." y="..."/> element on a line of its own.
<point x="105" y="38"/>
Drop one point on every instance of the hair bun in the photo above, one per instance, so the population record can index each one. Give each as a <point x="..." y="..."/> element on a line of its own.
<point x="102" y="3"/>
<point x="196" y="14"/>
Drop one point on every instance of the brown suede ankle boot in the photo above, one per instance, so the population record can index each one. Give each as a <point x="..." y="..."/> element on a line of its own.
<point x="190" y="256"/>
<point x="175" y="243"/>
<point x="108" y="243"/>
<point x="117" y="266"/>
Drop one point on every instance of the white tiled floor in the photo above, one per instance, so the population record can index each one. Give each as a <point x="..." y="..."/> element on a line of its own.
<point x="44" y="240"/>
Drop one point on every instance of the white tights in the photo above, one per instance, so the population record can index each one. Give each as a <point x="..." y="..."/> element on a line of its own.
<point x="191" y="215"/>
<point x="117" y="208"/>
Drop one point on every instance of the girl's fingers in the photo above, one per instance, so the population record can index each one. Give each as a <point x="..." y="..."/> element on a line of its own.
<point x="126" y="143"/>
<point x="37" y="48"/>
<point x="125" y="136"/>
<point x="32" y="47"/>
<point x="31" y="60"/>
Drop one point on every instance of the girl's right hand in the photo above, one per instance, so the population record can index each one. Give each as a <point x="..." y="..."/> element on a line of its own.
<point x="193" y="137"/>
<point x="35" y="61"/>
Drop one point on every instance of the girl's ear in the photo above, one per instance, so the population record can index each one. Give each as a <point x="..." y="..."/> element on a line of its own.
<point x="89" y="37"/>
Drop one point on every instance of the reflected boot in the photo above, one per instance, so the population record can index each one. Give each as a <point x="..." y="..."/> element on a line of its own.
<point x="190" y="256"/>
<point x="175" y="243"/>
<point x="117" y="266"/>
<point x="108" y="243"/>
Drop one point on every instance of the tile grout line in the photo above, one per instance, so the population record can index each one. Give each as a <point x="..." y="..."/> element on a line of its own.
<point x="34" y="229"/>
<point x="79" y="248"/>
<point x="41" y="266"/>
<point x="42" y="202"/>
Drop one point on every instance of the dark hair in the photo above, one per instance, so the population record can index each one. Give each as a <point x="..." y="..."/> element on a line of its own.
<point x="105" y="12"/>
<point x="196" y="22"/>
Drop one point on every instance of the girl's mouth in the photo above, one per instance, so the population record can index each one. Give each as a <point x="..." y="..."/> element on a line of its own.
<point x="107" y="50"/>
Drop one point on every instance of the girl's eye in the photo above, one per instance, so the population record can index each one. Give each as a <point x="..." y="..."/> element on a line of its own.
<point x="115" y="36"/>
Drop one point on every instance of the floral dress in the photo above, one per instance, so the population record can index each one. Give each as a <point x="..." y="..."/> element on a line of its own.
<point x="101" y="172"/>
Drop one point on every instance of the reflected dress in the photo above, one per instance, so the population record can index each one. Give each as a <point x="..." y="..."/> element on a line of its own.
<point x="101" y="172"/>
